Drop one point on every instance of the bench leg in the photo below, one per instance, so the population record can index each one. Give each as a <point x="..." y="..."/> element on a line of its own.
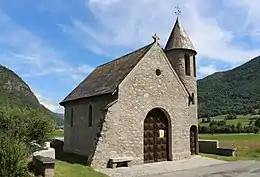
<point x="129" y="164"/>
<point x="114" y="165"/>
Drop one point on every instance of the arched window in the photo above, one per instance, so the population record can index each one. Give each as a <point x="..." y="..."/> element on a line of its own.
<point x="71" y="117"/>
<point x="90" y="115"/>
<point x="187" y="64"/>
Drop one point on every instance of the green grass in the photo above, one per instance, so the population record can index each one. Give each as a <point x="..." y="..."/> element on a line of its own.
<point x="218" y="157"/>
<point x="231" y="137"/>
<point x="247" y="145"/>
<point x="65" y="169"/>
<point x="58" y="133"/>
<point x="243" y="119"/>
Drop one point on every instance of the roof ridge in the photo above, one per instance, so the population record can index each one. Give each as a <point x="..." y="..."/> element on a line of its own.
<point x="127" y="54"/>
<point x="106" y="77"/>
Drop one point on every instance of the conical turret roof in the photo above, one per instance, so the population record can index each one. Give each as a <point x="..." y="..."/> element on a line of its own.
<point x="179" y="38"/>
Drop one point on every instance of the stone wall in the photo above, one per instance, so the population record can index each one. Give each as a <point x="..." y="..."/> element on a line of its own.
<point x="141" y="91"/>
<point x="80" y="138"/>
<point x="177" y="60"/>
<point x="212" y="147"/>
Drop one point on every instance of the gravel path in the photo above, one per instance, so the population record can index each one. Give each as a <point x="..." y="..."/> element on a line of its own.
<point x="161" y="168"/>
<point x="232" y="169"/>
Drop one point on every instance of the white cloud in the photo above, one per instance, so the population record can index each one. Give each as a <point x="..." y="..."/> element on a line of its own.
<point x="206" y="70"/>
<point x="30" y="55"/>
<point x="49" y="103"/>
<point x="214" y="31"/>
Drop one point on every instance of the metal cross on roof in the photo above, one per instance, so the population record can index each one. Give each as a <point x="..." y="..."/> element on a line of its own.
<point x="156" y="38"/>
<point x="178" y="10"/>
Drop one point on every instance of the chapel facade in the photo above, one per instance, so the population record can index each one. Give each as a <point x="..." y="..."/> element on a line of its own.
<point x="142" y="105"/>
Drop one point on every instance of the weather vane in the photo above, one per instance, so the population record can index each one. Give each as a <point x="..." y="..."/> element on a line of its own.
<point x="178" y="10"/>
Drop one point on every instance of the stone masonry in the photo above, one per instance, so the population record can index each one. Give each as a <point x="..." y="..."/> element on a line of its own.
<point x="141" y="91"/>
<point x="122" y="92"/>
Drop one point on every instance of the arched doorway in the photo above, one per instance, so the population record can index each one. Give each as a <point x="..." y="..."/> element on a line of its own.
<point x="156" y="137"/>
<point x="193" y="140"/>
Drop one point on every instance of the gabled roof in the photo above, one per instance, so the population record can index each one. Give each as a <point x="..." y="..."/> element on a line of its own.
<point x="105" y="78"/>
<point x="178" y="38"/>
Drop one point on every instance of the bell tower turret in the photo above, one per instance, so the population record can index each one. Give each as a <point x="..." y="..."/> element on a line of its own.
<point x="182" y="55"/>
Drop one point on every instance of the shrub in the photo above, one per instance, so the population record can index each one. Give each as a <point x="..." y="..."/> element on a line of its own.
<point x="26" y="124"/>
<point x="231" y="116"/>
<point x="13" y="157"/>
<point x="19" y="127"/>
<point x="257" y="122"/>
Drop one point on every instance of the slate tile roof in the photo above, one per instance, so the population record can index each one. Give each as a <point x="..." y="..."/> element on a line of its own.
<point x="179" y="38"/>
<point x="105" y="78"/>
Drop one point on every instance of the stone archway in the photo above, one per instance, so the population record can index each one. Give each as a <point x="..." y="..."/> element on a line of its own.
<point x="194" y="140"/>
<point x="156" y="137"/>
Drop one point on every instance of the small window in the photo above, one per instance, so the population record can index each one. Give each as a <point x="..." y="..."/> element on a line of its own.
<point x="71" y="117"/>
<point x="192" y="98"/>
<point x="194" y="65"/>
<point x="187" y="64"/>
<point x="90" y="115"/>
<point x="158" y="72"/>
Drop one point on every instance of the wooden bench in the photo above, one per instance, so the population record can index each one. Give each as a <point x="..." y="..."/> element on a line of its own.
<point x="44" y="166"/>
<point x="120" y="162"/>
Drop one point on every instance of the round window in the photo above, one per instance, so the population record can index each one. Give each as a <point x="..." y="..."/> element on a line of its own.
<point x="158" y="72"/>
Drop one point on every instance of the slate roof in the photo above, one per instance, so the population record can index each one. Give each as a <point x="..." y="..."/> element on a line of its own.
<point x="178" y="38"/>
<point x="105" y="78"/>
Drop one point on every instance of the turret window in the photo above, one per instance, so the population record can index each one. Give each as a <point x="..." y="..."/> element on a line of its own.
<point x="192" y="98"/>
<point x="194" y="65"/>
<point x="187" y="64"/>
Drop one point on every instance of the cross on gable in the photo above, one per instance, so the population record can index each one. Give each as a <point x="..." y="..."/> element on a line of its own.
<point x="156" y="38"/>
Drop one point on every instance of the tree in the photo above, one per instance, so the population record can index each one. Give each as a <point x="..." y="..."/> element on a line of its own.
<point x="239" y="127"/>
<point x="222" y="122"/>
<point x="204" y="129"/>
<point x="19" y="127"/>
<point x="231" y="116"/>
<point x="213" y="128"/>
<point x="13" y="154"/>
<point x="26" y="124"/>
<point x="257" y="122"/>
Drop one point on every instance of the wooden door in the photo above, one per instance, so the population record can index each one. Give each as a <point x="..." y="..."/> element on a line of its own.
<point x="193" y="140"/>
<point x="155" y="137"/>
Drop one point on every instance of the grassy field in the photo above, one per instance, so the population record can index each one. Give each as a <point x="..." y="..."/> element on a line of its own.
<point x="58" y="133"/>
<point x="71" y="165"/>
<point x="64" y="169"/>
<point x="243" y="119"/>
<point x="247" y="145"/>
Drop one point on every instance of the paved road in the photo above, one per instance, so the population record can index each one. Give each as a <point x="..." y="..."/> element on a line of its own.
<point x="232" y="169"/>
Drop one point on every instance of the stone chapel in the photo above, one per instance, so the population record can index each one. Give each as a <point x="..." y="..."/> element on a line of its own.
<point x="142" y="106"/>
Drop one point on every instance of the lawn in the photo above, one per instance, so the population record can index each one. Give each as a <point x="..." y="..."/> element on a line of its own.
<point x="58" y="133"/>
<point x="247" y="145"/>
<point x="243" y="119"/>
<point x="65" y="169"/>
<point x="71" y="165"/>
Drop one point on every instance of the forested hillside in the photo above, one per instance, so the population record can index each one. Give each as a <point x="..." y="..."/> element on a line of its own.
<point x="15" y="92"/>
<point x="235" y="91"/>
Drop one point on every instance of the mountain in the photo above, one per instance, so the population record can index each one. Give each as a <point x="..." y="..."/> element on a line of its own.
<point x="235" y="91"/>
<point x="14" y="91"/>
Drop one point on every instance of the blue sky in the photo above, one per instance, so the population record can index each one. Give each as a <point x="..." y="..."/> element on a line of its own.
<point x="54" y="44"/>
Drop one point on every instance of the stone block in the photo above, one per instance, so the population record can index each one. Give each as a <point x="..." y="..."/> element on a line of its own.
<point x="45" y="166"/>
